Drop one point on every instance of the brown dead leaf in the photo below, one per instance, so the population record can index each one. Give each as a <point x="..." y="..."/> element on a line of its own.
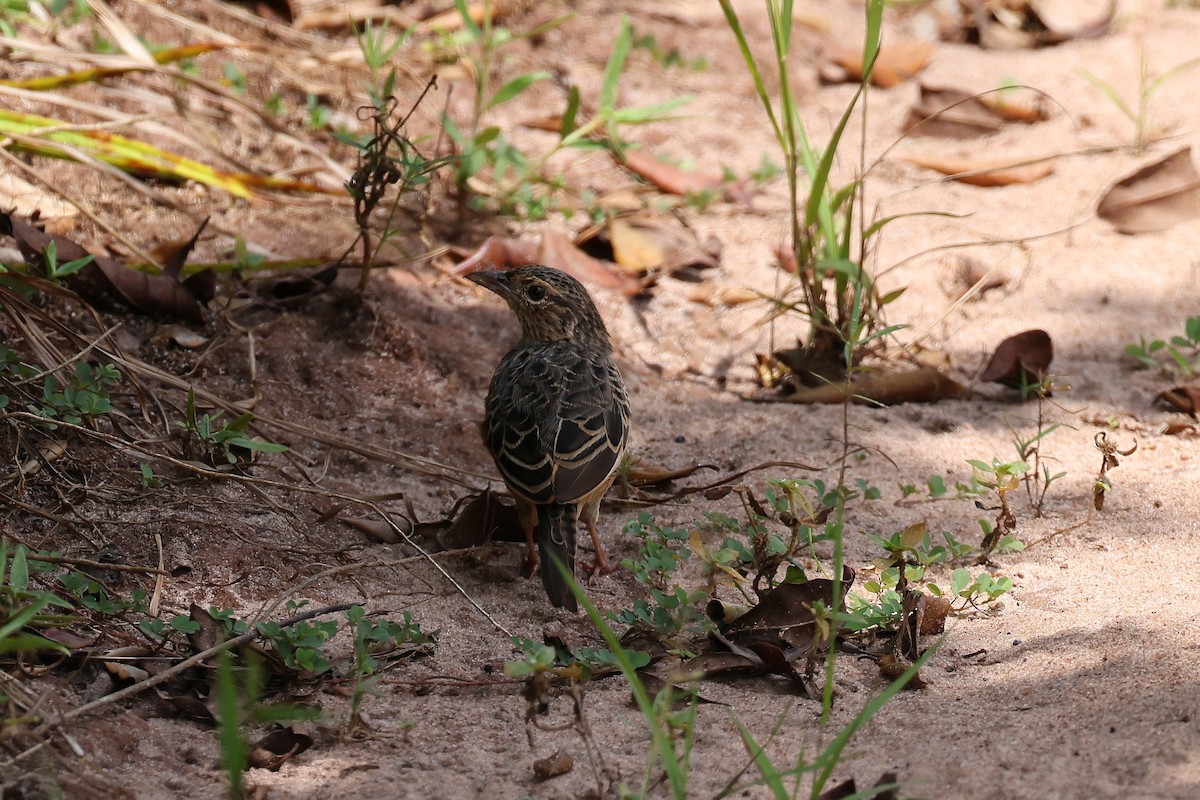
<point x="892" y="667"/>
<point x="555" y="248"/>
<point x="959" y="114"/>
<point x="498" y="252"/>
<point x="979" y="171"/>
<point x="715" y="294"/>
<point x="1155" y="197"/>
<point x="1015" y="24"/>
<point x="105" y="278"/>
<point x="643" y="474"/>
<point x="933" y="619"/>
<point x="1186" y="429"/>
<point x="668" y="178"/>
<point x="1182" y="398"/>
<point x="632" y="248"/>
<point x="664" y="243"/>
<point x="1020" y="360"/>
<point x="847" y="789"/>
<point x="273" y="750"/>
<point x="549" y="767"/>
<point x="951" y="113"/>
<point x="560" y="250"/>
<point x="923" y="385"/>
<point x="897" y="61"/>
<point x="482" y="520"/>
<point x="974" y="276"/>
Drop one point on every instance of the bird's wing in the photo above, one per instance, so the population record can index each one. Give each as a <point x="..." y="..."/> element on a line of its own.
<point x="557" y="423"/>
<point x="593" y="425"/>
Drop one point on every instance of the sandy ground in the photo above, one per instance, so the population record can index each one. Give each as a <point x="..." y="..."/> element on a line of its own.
<point x="1079" y="684"/>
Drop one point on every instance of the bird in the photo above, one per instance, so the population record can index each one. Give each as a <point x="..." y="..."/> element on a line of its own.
<point x="556" y="417"/>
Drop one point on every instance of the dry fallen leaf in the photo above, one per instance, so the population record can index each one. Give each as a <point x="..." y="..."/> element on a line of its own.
<point x="1156" y="197"/>
<point x="896" y="63"/>
<point x="1182" y="398"/>
<point x="105" y="278"/>
<point x="1020" y="360"/>
<point x="552" y="766"/>
<point x="1017" y="24"/>
<point x="923" y="385"/>
<point x="668" y="178"/>
<point x="959" y="114"/>
<point x="277" y="747"/>
<point x="981" y="171"/>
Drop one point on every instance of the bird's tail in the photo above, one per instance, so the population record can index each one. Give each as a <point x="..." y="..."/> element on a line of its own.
<point x="556" y="543"/>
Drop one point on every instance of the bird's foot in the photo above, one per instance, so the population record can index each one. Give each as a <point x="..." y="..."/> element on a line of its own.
<point x="601" y="566"/>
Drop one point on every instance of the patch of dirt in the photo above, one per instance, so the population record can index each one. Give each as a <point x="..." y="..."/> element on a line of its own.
<point x="1081" y="683"/>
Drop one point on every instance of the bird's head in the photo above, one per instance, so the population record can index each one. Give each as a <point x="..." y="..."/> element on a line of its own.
<point x="550" y="304"/>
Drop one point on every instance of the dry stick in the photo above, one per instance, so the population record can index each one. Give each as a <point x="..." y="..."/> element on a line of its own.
<point x="83" y="562"/>
<point x="165" y="675"/>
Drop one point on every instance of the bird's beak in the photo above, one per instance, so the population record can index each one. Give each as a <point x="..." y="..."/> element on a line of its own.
<point x="492" y="280"/>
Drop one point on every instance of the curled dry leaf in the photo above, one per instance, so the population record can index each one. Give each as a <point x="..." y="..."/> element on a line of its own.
<point x="1155" y="197"/>
<point x="273" y="750"/>
<point x="933" y="619"/>
<point x="975" y="276"/>
<point x="648" y="245"/>
<point x="554" y="248"/>
<point x="1020" y="360"/>
<point x="984" y="171"/>
<point x="105" y="278"/>
<point x="643" y="474"/>
<point x="1016" y="24"/>
<point x="549" y="767"/>
<point x="923" y="385"/>
<point x="958" y="114"/>
<point x="897" y="61"/>
<point x="485" y="518"/>
<point x="715" y="294"/>
<point x="670" y="179"/>
<point x="1182" y="398"/>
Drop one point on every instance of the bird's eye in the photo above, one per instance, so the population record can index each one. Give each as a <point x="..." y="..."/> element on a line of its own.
<point x="536" y="292"/>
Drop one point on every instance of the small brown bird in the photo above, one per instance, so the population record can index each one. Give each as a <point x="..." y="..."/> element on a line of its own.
<point x="557" y="416"/>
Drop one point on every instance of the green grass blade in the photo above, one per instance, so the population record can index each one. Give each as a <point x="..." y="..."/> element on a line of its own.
<point x="612" y="70"/>
<point x="833" y="752"/>
<point x="770" y="774"/>
<point x="760" y="87"/>
<point x="676" y="775"/>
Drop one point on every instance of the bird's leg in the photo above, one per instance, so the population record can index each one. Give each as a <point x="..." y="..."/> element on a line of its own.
<point x="601" y="565"/>
<point x="528" y="514"/>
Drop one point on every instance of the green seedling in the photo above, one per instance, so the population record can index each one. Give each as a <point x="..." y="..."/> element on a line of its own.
<point x="1181" y="350"/>
<point x="215" y="442"/>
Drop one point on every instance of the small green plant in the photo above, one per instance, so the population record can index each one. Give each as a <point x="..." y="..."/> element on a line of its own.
<point x="86" y="397"/>
<point x="829" y="237"/>
<point x="160" y="630"/>
<point x="233" y="77"/>
<point x="373" y="638"/>
<point x="491" y="171"/>
<point x="24" y="609"/>
<point x="319" y="114"/>
<point x="217" y="443"/>
<point x="1182" y="350"/>
<point x="149" y="479"/>
<point x="57" y="272"/>
<point x="301" y="646"/>
<point x="1148" y="86"/>
<point x="1001" y="478"/>
<point x="668" y="58"/>
<point x="1038" y="478"/>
